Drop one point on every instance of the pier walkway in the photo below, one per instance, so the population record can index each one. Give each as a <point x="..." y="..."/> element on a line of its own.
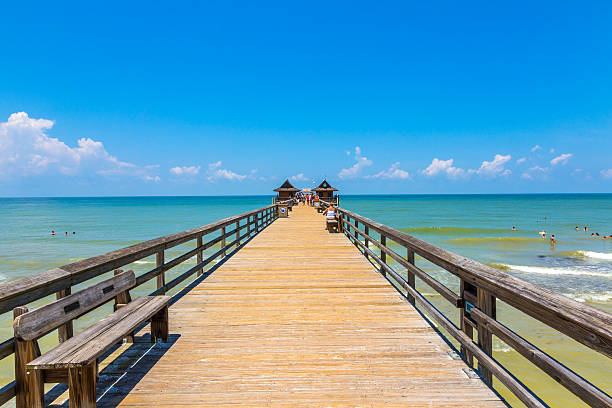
<point x="297" y="317"/>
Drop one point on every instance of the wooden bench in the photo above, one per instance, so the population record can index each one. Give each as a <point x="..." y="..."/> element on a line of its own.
<point x="332" y="224"/>
<point x="74" y="361"/>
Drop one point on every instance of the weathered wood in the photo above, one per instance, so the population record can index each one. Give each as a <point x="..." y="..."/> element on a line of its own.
<point x="317" y="326"/>
<point x="223" y="240"/>
<point x="159" y="326"/>
<point x="465" y="326"/>
<point x="410" y="278"/>
<point x="65" y="331"/>
<point x="82" y="386"/>
<point x="559" y="372"/>
<point x="7" y="393"/>
<point x="200" y="253"/>
<point x="92" y="342"/>
<point x="412" y="270"/>
<point x="159" y="262"/>
<point x="28" y="289"/>
<point x="586" y="324"/>
<point x="24" y="353"/>
<point x="237" y="234"/>
<point x="487" y="304"/>
<point x="7" y="347"/>
<point x="123" y="298"/>
<point x="37" y="323"/>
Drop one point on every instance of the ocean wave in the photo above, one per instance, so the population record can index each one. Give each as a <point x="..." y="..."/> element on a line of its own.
<point x="450" y="230"/>
<point x="141" y="262"/>
<point x="590" y="297"/>
<point x="553" y="271"/>
<point x="596" y="255"/>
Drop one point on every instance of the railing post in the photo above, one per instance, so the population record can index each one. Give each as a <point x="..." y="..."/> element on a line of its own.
<point x="199" y="254"/>
<point x="486" y="303"/>
<point x="65" y="331"/>
<point x="161" y="278"/>
<point x="237" y="234"/>
<point x="383" y="254"/>
<point x="464" y="325"/>
<point x="366" y="229"/>
<point x="409" y="275"/>
<point x="357" y="234"/>
<point x="248" y="221"/>
<point x="341" y="223"/>
<point x="223" y="241"/>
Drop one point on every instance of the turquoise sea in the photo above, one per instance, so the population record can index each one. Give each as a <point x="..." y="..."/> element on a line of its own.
<point x="476" y="226"/>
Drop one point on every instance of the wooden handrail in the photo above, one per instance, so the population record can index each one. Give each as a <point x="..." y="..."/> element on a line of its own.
<point x="25" y="290"/>
<point x="586" y="324"/>
<point x="60" y="280"/>
<point x="583" y="323"/>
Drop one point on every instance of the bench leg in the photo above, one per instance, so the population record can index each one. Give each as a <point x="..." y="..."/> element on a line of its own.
<point x="159" y="326"/>
<point x="82" y="386"/>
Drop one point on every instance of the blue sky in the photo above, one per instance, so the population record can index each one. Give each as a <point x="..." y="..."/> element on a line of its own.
<point x="128" y="98"/>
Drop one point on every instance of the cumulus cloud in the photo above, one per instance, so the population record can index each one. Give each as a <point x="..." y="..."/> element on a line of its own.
<point x="607" y="173"/>
<point x="185" y="170"/>
<point x="26" y="149"/>
<point x="536" y="148"/>
<point x="495" y="167"/>
<point x="446" y="167"/>
<point x="216" y="172"/>
<point x="561" y="159"/>
<point x="355" y="169"/>
<point x="394" y="172"/>
<point x="521" y="160"/>
<point x="299" y="177"/>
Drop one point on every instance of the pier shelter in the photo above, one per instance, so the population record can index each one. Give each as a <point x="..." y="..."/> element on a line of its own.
<point x="286" y="191"/>
<point x="326" y="192"/>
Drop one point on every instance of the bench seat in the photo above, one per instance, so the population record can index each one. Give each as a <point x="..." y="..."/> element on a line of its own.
<point x="87" y="346"/>
<point x="332" y="224"/>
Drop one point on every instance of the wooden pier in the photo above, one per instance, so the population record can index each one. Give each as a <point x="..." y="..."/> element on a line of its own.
<point x="298" y="317"/>
<point x="283" y="313"/>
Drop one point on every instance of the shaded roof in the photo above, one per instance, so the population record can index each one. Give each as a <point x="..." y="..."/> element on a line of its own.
<point x="286" y="186"/>
<point x="324" y="186"/>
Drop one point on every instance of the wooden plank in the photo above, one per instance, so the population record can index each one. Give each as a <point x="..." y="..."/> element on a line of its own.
<point x="298" y="317"/>
<point x="92" y="342"/>
<point x="37" y="323"/>
<point x="159" y="263"/>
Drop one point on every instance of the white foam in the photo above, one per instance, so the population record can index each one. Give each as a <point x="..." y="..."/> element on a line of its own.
<point x="144" y="262"/>
<point x="556" y="271"/>
<point x="591" y="297"/>
<point x="597" y="255"/>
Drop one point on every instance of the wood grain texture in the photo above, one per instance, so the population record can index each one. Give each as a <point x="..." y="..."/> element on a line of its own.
<point x="299" y="318"/>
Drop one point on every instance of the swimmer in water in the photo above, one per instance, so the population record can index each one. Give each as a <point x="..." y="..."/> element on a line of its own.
<point x="52" y="232"/>
<point x="577" y="228"/>
<point x="542" y="234"/>
<point x="513" y="228"/>
<point x="73" y="233"/>
<point x="552" y="239"/>
<point x="66" y="233"/>
<point x="585" y="229"/>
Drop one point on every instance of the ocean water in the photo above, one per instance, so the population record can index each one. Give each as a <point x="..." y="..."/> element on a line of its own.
<point x="476" y="226"/>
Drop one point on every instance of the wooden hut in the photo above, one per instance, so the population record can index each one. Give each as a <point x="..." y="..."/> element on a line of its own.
<point x="286" y="191"/>
<point x="325" y="192"/>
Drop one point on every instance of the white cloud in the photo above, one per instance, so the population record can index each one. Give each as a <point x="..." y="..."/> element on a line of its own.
<point x="355" y="169"/>
<point x="561" y="159"/>
<point x="155" y="179"/>
<point x="444" y="167"/>
<point x="536" y="148"/>
<point x="185" y="170"/>
<point x="215" y="172"/>
<point x="607" y="173"/>
<point x="551" y="151"/>
<point x="27" y="149"/>
<point x="521" y="160"/>
<point x="495" y="167"/>
<point x="526" y="176"/>
<point x="539" y="169"/>
<point x="394" y="172"/>
<point x="298" y="177"/>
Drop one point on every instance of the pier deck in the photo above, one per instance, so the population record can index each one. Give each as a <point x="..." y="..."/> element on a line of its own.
<point x="297" y="317"/>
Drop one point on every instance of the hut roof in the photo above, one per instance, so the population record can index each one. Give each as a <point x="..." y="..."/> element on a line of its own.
<point x="286" y="186"/>
<point x="324" y="186"/>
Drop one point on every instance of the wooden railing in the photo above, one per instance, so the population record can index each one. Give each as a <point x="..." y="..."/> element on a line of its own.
<point x="480" y="287"/>
<point x="229" y="232"/>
